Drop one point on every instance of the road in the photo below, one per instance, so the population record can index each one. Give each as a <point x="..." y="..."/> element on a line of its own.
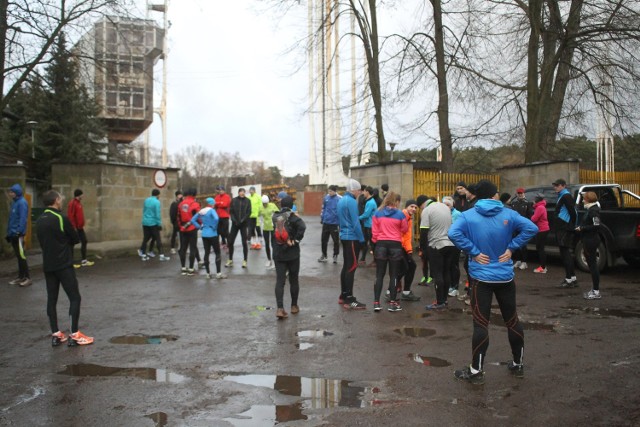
<point x="175" y="350"/>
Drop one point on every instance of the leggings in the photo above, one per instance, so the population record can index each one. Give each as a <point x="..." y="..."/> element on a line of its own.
<point x="188" y="240"/>
<point x="293" y="266"/>
<point x="350" y="252"/>
<point x="268" y="238"/>
<point x="254" y="228"/>
<point x="83" y="244"/>
<point x="407" y="271"/>
<point x="481" y="298"/>
<point x="541" y="239"/>
<point x="590" y="252"/>
<point x="242" y="228"/>
<point x="17" y="243"/>
<point x="174" y="233"/>
<point x="388" y="252"/>
<point x="440" y="261"/>
<point x="223" y="229"/>
<point x="208" y="243"/>
<point x="366" y="231"/>
<point x="67" y="278"/>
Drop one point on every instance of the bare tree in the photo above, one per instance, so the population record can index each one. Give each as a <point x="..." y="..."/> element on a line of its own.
<point x="29" y="29"/>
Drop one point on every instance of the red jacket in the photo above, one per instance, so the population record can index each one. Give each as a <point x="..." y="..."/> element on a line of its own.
<point x="76" y="214"/>
<point x="187" y="208"/>
<point x="223" y="203"/>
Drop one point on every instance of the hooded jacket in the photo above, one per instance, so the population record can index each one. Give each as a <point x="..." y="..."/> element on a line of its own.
<point x="207" y="221"/>
<point x="388" y="224"/>
<point x="349" y="222"/>
<point x="369" y="210"/>
<point x="407" y="237"/>
<point x="223" y="203"/>
<point x="187" y="208"/>
<point x="489" y="228"/>
<point x="18" y="214"/>
<point x="151" y="212"/>
<point x="590" y="223"/>
<point x="266" y="212"/>
<point x="256" y="204"/>
<point x="329" y="212"/>
<point x="539" y="217"/>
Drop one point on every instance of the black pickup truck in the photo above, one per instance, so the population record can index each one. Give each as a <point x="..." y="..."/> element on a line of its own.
<point x="620" y="224"/>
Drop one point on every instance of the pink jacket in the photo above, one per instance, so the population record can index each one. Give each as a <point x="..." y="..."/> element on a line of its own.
<point x="539" y="217"/>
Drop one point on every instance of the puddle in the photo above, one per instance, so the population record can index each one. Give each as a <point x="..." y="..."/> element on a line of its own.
<point x="421" y="315"/>
<point x="160" y="418"/>
<point x="597" y="311"/>
<point x="143" y="339"/>
<point x="415" y="332"/>
<point x="304" y="346"/>
<point x="429" y="361"/>
<point x="316" y="392"/>
<point x="91" y="370"/>
<point x="313" y="334"/>
<point x="262" y="415"/>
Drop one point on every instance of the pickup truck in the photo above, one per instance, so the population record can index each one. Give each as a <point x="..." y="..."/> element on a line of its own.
<point x="620" y="224"/>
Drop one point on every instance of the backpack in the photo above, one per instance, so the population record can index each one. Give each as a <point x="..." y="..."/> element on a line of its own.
<point x="186" y="211"/>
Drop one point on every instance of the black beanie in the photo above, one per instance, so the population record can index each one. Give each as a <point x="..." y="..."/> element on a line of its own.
<point x="421" y="199"/>
<point x="287" y="202"/>
<point x="485" y="189"/>
<point x="411" y="202"/>
<point x="77" y="193"/>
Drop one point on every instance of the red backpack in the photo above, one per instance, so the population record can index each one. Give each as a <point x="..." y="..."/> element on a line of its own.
<point x="187" y="208"/>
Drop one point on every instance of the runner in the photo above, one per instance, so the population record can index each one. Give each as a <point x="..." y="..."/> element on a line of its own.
<point x="207" y="221"/>
<point x="352" y="239"/>
<point x="187" y="208"/>
<point x="266" y="213"/>
<point x="75" y="213"/>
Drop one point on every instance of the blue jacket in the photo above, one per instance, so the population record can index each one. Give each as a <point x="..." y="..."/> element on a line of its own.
<point x="329" y="213"/>
<point x="370" y="207"/>
<point x="18" y="214"/>
<point x="489" y="228"/>
<point x="151" y="212"/>
<point x="350" y="228"/>
<point x="209" y="219"/>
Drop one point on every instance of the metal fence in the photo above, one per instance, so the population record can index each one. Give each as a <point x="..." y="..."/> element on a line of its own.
<point x="628" y="180"/>
<point x="439" y="184"/>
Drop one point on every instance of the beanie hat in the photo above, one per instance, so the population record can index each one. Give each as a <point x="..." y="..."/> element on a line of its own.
<point x="265" y="199"/>
<point x="286" y="202"/>
<point x="485" y="189"/>
<point x="210" y="201"/>
<point x="353" y="185"/>
<point x="520" y="190"/>
<point x="410" y="202"/>
<point x="282" y="195"/>
<point x="421" y="199"/>
<point x="77" y="193"/>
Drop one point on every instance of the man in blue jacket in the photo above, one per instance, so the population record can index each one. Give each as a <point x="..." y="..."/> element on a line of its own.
<point x="16" y="230"/>
<point x="489" y="233"/>
<point x="352" y="239"/>
<point x="329" y="221"/>
<point x="151" y="225"/>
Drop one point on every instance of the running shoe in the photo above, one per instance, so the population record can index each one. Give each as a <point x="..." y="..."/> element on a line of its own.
<point x="257" y="246"/>
<point x="435" y="306"/>
<point x="295" y="309"/>
<point x="77" y="266"/>
<point x="376" y="306"/>
<point x="25" y="282"/>
<point x="409" y="297"/>
<point x="173" y="251"/>
<point x="517" y="370"/>
<point x="16" y="281"/>
<point x="221" y="276"/>
<point x="163" y="258"/>
<point x="453" y="292"/>
<point x="523" y="266"/>
<point x="201" y="266"/>
<point x="145" y="258"/>
<point x="340" y="300"/>
<point x="466" y="375"/>
<point x="335" y="259"/>
<point x="281" y="314"/>
<point x="268" y="263"/>
<point x="517" y="264"/>
<point x="394" y="306"/>
<point x="183" y="271"/>
<point x="58" y="338"/>
<point x="140" y="253"/>
<point x="191" y="272"/>
<point x="540" y="270"/>
<point x="592" y="295"/>
<point x="244" y="263"/>
<point x="569" y="283"/>
<point x="322" y="259"/>
<point x="151" y="254"/>
<point x="208" y="275"/>
<point x="354" y="304"/>
<point x="229" y="263"/>
<point x="79" y="338"/>
<point x="87" y="263"/>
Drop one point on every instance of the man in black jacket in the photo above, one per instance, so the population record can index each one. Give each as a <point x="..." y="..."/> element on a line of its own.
<point x="240" y="212"/>
<point x="525" y="208"/>
<point x="173" y="216"/>
<point x="565" y="224"/>
<point x="57" y="237"/>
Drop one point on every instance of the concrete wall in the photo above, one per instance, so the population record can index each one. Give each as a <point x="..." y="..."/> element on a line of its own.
<point x="113" y="196"/>
<point x="539" y="173"/>
<point x="398" y="175"/>
<point x="9" y="175"/>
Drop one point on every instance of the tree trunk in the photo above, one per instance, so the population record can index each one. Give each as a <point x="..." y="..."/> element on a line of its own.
<point x="374" y="79"/>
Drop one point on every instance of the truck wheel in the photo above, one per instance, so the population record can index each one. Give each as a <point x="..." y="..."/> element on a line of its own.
<point x="601" y="257"/>
<point x="632" y="259"/>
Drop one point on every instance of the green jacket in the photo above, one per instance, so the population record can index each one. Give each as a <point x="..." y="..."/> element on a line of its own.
<point x="256" y="204"/>
<point x="266" y="212"/>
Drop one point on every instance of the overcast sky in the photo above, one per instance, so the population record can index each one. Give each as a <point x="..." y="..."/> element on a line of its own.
<point x="230" y="86"/>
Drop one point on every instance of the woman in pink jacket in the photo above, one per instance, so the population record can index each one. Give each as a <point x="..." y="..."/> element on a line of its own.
<point x="539" y="218"/>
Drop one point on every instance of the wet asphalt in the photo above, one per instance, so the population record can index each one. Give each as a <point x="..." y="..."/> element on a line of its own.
<point x="187" y="351"/>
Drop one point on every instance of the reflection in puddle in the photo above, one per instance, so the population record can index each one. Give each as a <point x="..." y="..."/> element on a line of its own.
<point x="613" y="312"/>
<point x="420" y="315"/>
<point x="304" y="346"/>
<point x="313" y="334"/>
<point x="415" y="332"/>
<point x="429" y="361"/>
<point x="317" y="392"/>
<point x="90" y="370"/>
<point x="261" y="415"/>
<point x="160" y="418"/>
<point x="143" y="339"/>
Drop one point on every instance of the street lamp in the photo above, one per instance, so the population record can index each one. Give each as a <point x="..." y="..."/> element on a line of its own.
<point x="32" y="125"/>
<point x="393" y="147"/>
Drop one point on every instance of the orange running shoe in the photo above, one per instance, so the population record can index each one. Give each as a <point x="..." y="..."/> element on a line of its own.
<point x="257" y="246"/>
<point x="79" y="338"/>
<point x="58" y="338"/>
